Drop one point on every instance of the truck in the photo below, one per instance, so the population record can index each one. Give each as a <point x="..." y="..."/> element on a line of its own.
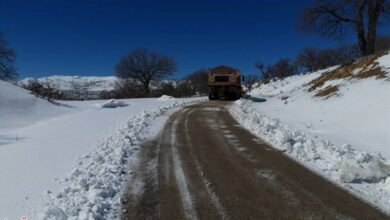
<point x="224" y="82"/>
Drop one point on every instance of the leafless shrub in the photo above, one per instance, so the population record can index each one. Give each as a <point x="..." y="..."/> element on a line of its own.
<point x="46" y="90"/>
<point x="251" y="80"/>
<point x="80" y="91"/>
<point x="198" y="82"/>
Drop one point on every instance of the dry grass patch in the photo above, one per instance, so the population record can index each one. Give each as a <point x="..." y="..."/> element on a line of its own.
<point x="327" y="92"/>
<point x="362" y="68"/>
<point x="374" y="72"/>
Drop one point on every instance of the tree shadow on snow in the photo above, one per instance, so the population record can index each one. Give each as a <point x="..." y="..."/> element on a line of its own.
<point x="255" y="99"/>
<point x="61" y="104"/>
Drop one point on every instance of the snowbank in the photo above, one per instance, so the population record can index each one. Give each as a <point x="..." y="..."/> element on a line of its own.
<point x="40" y="143"/>
<point x="93" y="188"/>
<point x="341" y="164"/>
<point x="166" y="98"/>
<point x="114" y="104"/>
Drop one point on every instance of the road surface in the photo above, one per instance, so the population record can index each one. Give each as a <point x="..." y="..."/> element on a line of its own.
<point x="204" y="165"/>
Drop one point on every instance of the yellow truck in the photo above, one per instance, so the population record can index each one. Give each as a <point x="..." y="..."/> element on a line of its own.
<point x="224" y="82"/>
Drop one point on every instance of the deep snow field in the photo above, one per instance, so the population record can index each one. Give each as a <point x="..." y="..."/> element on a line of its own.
<point x="68" y="160"/>
<point x="344" y="136"/>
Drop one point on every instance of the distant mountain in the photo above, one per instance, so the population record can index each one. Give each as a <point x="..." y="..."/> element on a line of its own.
<point x="64" y="83"/>
<point x="87" y="87"/>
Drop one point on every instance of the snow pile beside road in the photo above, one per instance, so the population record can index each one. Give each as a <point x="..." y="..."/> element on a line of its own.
<point x="342" y="164"/>
<point x="166" y="98"/>
<point x="113" y="104"/>
<point x="93" y="188"/>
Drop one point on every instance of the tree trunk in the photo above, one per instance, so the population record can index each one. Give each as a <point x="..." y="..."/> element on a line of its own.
<point x="374" y="11"/>
<point x="146" y="88"/>
<point x="360" y="28"/>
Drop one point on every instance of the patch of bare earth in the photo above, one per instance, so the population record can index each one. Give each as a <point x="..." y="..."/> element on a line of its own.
<point x="362" y="68"/>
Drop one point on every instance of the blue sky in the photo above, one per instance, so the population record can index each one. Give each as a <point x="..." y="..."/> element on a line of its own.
<point x="88" y="37"/>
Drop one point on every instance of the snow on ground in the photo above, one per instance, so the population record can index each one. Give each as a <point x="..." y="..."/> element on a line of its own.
<point x="56" y="158"/>
<point x="345" y="136"/>
<point x="19" y="108"/>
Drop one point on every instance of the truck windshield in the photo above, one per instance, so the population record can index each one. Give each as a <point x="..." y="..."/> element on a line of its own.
<point x="222" y="78"/>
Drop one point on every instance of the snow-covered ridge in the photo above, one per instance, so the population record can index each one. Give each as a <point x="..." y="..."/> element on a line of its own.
<point x="95" y="83"/>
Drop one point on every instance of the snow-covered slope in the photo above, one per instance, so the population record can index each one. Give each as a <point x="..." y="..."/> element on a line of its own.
<point x="19" y="108"/>
<point x="335" y="121"/>
<point x="69" y="160"/>
<point x="358" y="113"/>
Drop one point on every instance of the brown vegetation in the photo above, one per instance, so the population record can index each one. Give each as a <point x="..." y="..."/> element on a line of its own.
<point x="362" y="68"/>
<point x="327" y="92"/>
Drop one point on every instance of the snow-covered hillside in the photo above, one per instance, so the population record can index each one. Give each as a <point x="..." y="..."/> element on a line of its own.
<point x="19" y="108"/>
<point x="68" y="160"/>
<point x="94" y="83"/>
<point x="334" y="121"/>
<point x="358" y="113"/>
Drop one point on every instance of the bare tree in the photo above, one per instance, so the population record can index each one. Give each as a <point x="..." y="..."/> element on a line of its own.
<point x="281" y="69"/>
<point x="308" y="59"/>
<point x="264" y="71"/>
<point x="261" y="67"/>
<point x="198" y="81"/>
<point x="145" y="66"/>
<point x="7" y="59"/>
<point x="383" y="43"/>
<point x="250" y="80"/>
<point x="333" y="18"/>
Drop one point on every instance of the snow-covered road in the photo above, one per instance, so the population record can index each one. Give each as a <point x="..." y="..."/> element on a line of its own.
<point x="205" y="166"/>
